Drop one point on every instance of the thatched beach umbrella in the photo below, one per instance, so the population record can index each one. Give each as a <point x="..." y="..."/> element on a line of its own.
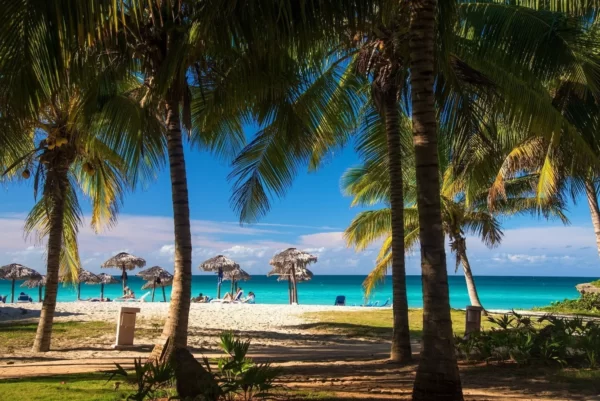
<point x="105" y="279"/>
<point x="124" y="261"/>
<point x="288" y="263"/>
<point x="14" y="272"/>
<point x="153" y="284"/>
<point x="38" y="283"/>
<point x="155" y="277"/>
<point x="235" y="276"/>
<point x="219" y="264"/>
<point x="83" y="276"/>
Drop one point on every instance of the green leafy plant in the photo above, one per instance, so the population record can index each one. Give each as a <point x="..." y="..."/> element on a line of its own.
<point x="240" y="376"/>
<point x="148" y="378"/>
<point x="548" y="340"/>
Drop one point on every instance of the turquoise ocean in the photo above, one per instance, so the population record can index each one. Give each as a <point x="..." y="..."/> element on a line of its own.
<point x="495" y="292"/>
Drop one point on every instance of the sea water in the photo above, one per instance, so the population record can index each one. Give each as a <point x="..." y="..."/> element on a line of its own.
<point x="495" y="292"/>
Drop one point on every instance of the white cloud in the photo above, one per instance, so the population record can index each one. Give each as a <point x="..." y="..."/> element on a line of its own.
<point x="328" y="240"/>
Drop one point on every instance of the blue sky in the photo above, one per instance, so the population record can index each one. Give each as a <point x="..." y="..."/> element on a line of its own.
<point x="312" y="216"/>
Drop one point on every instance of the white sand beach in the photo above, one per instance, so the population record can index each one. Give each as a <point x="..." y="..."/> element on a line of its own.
<point x="239" y="317"/>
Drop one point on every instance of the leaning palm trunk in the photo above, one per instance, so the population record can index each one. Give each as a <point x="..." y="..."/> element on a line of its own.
<point x="43" y="335"/>
<point x="437" y="375"/>
<point x="177" y="323"/>
<point x="401" y="351"/>
<point x="471" y="289"/>
<point x="592" y="197"/>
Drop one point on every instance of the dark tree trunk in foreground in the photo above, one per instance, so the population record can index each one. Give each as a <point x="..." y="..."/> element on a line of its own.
<point x="176" y="327"/>
<point x="437" y="375"/>
<point x="401" y="350"/>
<point x="592" y="197"/>
<point x="56" y="181"/>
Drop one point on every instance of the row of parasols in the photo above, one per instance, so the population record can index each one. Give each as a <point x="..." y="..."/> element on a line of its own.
<point x="290" y="265"/>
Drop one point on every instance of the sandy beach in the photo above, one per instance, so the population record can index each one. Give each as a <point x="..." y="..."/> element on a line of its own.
<point x="239" y="317"/>
<point x="265" y="325"/>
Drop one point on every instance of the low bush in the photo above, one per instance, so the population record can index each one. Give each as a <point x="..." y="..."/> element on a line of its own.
<point x="547" y="340"/>
<point x="238" y="376"/>
<point x="586" y="304"/>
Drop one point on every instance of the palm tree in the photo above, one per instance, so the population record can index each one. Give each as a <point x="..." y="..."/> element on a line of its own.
<point x="74" y="150"/>
<point x="381" y="58"/>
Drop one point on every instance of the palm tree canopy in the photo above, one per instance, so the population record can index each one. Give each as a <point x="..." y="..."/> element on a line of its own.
<point x="155" y="272"/>
<point x="35" y="282"/>
<point x="217" y="263"/>
<point x="15" y="271"/>
<point x="237" y="275"/>
<point x="124" y="260"/>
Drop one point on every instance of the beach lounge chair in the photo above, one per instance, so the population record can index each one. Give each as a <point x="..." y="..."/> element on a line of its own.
<point x="140" y="299"/>
<point x="24" y="298"/>
<point x="340" y="300"/>
<point x="3" y="299"/>
<point x="387" y="303"/>
<point x="236" y="300"/>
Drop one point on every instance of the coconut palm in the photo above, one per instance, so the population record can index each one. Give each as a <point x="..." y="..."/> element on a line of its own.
<point x="81" y="138"/>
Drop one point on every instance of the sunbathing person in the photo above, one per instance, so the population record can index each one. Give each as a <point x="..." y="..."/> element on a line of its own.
<point x="251" y="299"/>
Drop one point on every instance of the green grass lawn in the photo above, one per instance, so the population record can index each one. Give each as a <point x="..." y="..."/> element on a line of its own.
<point x="84" y="387"/>
<point x="377" y="322"/>
<point x="18" y="335"/>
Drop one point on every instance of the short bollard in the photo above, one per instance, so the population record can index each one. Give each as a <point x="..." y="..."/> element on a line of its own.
<point x="125" y="327"/>
<point x="473" y="320"/>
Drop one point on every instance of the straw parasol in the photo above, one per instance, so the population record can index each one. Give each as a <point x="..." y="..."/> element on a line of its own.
<point x="15" y="271"/>
<point x="236" y="275"/>
<point x="288" y="263"/>
<point x="124" y="261"/>
<point x="162" y="283"/>
<point x="105" y="279"/>
<point x="38" y="283"/>
<point x="219" y="264"/>
<point x="156" y="276"/>
<point x="83" y="276"/>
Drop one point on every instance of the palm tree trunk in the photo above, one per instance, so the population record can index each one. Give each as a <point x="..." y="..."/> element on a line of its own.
<point x="153" y="289"/>
<point x="43" y="335"/>
<point x="40" y="293"/>
<point x="176" y="326"/>
<point x="164" y="295"/>
<point x="437" y="375"/>
<point x="79" y="291"/>
<point x="471" y="289"/>
<point x="101" y="291"/>
<point x="12" y="292"/>
<point x="592" y="197"/>
<point x="401" y="350"/>
<point x="290" y="289"/>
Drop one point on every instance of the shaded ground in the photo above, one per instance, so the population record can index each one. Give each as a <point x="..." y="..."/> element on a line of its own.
<point x="334" y="356"/>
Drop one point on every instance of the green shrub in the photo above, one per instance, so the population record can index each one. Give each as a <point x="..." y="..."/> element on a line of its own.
<point x="239" y="377"/>
<point x="587" y="302"/>
<point x="549" y="340"/>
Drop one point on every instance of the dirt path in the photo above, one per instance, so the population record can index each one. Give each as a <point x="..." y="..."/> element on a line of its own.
<point x="356" y="371"/>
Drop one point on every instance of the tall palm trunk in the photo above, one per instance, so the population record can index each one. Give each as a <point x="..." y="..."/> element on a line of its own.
<point x="592" y="197"/>
<point x="437" y="375"/>
<point x="57" y="182"/>
<point x="471" y="288"/>
<point x="401" y="351"/>
<point x="176" y="326"/>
